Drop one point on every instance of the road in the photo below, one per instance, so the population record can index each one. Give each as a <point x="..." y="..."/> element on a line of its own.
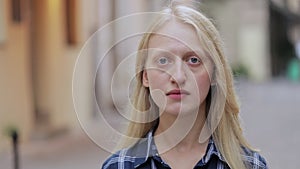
<point x="271" y="118"/>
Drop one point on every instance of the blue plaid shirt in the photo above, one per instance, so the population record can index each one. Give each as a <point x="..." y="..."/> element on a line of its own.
<point x="144" y="155"/>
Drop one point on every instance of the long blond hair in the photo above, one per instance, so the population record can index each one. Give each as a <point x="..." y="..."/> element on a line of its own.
<point x="228" y="135"/>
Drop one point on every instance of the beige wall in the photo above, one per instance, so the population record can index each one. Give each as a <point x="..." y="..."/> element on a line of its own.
<point x="253" y="40"/>
<point x="244" y="27"/>
<point x="55" y="60"/>
<point x="16" y="103"/>
<point x="53" y="63"/>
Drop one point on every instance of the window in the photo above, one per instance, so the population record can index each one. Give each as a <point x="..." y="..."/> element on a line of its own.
<point x="71" y="24"/>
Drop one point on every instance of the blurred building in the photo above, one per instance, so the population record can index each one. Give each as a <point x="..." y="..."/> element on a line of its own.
<point x="40" y="41"/>
<point x="39" y="44"/>
<point x="284" y="34"/>
<point x="259" y="36"/>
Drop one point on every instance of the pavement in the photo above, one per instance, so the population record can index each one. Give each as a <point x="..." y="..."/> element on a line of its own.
<point x="270" y="115"/>
<point x="70" y="151"/>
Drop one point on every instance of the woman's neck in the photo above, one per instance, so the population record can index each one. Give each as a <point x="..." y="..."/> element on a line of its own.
<point x="180" y="133"/>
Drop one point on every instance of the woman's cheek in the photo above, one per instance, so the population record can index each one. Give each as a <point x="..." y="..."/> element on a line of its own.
<point x="203" y="85"/>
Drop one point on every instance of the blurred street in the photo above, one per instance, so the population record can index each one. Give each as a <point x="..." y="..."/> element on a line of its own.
<point x="270" y="113"/>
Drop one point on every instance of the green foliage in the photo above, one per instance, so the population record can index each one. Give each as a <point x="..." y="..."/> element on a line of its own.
<point x="240" y="71"/>
<point x="293" y="71"/>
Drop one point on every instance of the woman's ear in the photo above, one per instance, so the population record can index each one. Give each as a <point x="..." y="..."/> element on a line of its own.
<point x="145" y="79"/>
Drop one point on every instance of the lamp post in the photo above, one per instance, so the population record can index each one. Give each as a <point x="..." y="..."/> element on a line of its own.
<point x="14" y="136"/>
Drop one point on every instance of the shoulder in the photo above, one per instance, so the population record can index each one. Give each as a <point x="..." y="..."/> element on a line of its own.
<point x="254" y="160"/>
<point x="120" y="160"/>
<point x="129" y="157"/>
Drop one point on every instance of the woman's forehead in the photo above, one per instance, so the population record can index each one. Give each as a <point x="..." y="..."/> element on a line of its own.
<point x="175" y="29"/>
<point x="175" y="36"/>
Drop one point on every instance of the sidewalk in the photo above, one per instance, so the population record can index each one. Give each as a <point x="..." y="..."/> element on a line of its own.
<point x="271" y="115"/>
<point x="72" y="151"/>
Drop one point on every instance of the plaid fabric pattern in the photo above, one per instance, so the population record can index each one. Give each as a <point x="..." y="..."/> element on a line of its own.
<point x="144" y="155"/>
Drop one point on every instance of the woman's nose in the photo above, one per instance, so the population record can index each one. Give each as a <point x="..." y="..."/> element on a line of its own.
<point x="178" y="74"/>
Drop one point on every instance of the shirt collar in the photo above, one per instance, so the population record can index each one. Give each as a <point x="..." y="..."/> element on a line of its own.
<point x="211" y="151"/>
<point x="145" y="148"/>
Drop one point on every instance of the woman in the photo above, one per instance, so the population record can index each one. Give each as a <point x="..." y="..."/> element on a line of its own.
<point x="185" y="110"/>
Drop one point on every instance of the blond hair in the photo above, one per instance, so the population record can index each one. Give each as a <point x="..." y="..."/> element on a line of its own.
<point x="228" y="135"/>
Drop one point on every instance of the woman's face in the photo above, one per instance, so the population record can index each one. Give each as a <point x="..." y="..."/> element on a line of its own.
<point x="177" y="72"/>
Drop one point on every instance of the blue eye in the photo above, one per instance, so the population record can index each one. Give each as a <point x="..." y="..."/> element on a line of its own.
<point x="163" y="60"/>
<point x="193" y="60"/>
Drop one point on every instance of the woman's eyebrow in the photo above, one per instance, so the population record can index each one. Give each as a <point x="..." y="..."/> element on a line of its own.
<point x="198" y="53"/>
<point x="159" y="52"/>
<point x="189" y="53"/>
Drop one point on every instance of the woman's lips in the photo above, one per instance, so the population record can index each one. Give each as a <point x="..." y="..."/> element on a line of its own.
<point x="177" y="94"/>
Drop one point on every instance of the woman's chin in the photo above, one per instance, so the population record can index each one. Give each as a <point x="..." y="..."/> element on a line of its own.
<point x="180" y="110"/>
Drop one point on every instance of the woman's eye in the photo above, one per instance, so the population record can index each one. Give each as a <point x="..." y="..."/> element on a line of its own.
<point x="163" y="60"/>
<point x="193" y="60"/>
